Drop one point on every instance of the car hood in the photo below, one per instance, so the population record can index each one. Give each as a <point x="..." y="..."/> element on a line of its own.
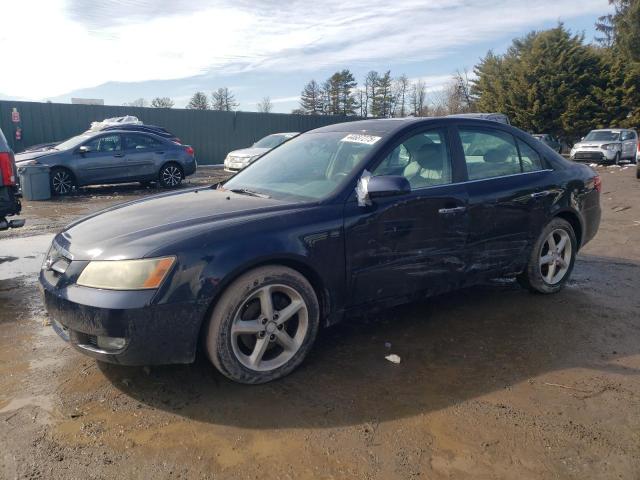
<point x="141" y="228"/>
<point x="248" y="152"/>
<point x="23" y="157"/>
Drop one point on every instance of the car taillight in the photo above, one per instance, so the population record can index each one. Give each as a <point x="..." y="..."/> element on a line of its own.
<point x="597" y="183"/>
<point x="190" y="150"/>
<point x="6" y="169"/>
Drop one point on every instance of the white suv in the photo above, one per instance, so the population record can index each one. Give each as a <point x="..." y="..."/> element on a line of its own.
<point x="607" y="146"/>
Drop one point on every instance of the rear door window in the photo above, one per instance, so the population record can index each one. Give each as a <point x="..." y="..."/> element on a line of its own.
<point x="493" y="153"/>
<point x="489" y="153"/>
<point x="529" y="158"/>
<point x="141" y="142"/>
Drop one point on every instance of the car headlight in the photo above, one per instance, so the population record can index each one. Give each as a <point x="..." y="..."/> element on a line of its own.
<point x="144" y="274"/>
<point x="610" y="146"/>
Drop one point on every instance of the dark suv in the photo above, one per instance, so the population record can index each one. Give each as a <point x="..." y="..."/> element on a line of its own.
<point x="9" y="203"/>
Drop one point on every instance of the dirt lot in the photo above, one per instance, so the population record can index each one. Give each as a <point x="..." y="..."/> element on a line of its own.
<point x="494" y="382"/>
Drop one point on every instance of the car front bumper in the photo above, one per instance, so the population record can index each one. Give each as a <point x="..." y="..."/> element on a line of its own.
<point x="153" y="334"/>
<point x="594" y="155"/>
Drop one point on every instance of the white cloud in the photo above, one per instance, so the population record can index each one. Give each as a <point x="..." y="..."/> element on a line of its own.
<point x="52" y="50"/>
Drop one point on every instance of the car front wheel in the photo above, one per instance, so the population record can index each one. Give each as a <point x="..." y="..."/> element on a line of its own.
<point x="552" y="258"/>
<point x="263" y="325"/>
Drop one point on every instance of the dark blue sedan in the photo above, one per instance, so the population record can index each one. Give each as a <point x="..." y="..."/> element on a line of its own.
<point x="356" y="215"/>
<point x="113" y="156"/>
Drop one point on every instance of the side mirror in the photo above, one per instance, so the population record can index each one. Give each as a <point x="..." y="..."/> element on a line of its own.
<point x="84" y="149"/>
<point x="387" y="186"/>
<point x="581" y="138"/>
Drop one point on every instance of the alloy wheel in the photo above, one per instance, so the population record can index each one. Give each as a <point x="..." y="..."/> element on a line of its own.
<point x="171" y="175"/>
<point x="269" y="327"/>
<point x="61" y="182"/>
<point x="555" y="256"/>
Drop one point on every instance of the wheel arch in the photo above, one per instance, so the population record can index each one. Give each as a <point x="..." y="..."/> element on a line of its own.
<point x="297" y="264"/>
<point x="74" y="176"/>
<point x="172" y="162"/>
<point x="576" y="223"/>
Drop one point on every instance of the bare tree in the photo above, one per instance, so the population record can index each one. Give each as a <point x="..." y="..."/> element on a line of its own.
<point x="162" y="102"/>
<point x="265" y="105"/>
<point x="417" y="98"/>
<point x="459" y="98"/>
<point x="138" y="102"/>
<point x="199" y="101"/>
<point x="223" y="99"/>
<point x="401" y="92"/>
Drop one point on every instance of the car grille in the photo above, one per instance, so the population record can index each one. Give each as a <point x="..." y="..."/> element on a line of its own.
<point x="588" y="156"/>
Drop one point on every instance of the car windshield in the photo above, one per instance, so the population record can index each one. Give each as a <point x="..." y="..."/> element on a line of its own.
<point x="271" y="141"/>
<point x="603" y="136"/>
<point x="309" y="167"/>
<point x="73" y="142"/>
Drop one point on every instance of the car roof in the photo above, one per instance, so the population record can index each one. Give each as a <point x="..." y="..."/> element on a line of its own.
<point x="90" y="133"/>
<point x="388" y="126"/>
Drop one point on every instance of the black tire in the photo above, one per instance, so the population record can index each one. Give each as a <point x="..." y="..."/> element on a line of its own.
<point x="638" y="173"/>
<point x="218" y="334"/>
<point x="61" y="181"/>
<point x="617" y="159"/>
<point x="532" y="277"/>
<point x="170" y="175"/>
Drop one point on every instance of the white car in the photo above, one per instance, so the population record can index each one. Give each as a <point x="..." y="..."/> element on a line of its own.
<point x="239" y="159"/>
<point x="607" y="146"/>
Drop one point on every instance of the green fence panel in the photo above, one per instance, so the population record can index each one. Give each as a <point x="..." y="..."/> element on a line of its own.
<point x="212" y="134"/>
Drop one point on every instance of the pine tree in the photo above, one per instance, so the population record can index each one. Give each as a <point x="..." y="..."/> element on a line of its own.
<point x="546" y="82"/>
<point x="311" y="101"/>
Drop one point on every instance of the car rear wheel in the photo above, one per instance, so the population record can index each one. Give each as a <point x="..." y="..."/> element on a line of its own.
<point x="263" y="325"/>
<point x="170" y="175"/>
<point x="61" y="181"/>
<point x="552" y="258"/>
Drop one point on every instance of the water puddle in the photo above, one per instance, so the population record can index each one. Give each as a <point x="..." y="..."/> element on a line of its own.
<point x="20" y="257"/>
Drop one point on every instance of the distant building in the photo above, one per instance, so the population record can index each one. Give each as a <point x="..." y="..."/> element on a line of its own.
<point x="87" y="101"/>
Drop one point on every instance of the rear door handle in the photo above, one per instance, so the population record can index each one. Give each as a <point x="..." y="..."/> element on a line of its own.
<point x="542" y="194"/>
<point x="118" y="155"/>
<point x="452" y="211"/>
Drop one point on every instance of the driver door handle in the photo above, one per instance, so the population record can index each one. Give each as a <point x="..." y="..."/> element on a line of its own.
<point x="542" y="194"/>
<point x="452" y="211"/>
<point x="118" y="155"/>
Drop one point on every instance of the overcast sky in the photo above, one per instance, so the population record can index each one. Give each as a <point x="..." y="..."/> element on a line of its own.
<point x="120" y="50"/>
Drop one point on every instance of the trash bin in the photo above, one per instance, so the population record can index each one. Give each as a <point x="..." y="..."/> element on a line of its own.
<point x="34" y="182"/>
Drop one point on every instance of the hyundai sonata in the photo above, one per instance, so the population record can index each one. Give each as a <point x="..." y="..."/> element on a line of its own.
<point x="366" y="213"/>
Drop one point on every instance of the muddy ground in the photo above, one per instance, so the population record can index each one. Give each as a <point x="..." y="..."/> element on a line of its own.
<point x="494" y="382"/>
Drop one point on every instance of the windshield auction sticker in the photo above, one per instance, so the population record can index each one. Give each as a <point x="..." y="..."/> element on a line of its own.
<point x="358" y="138"/>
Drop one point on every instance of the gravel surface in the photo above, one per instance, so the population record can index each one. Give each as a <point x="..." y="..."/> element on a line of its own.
<point x="494" y="382"/>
